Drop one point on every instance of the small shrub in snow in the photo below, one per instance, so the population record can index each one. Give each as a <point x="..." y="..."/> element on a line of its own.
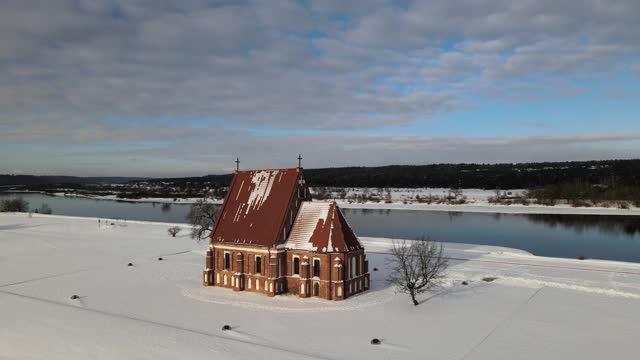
<point x="130" y="264"/>
<point x="524" y="201"/>
<point x="173" y="231"/>
<point x="582" y="257"/>
<point x="489" y="278"/>
<point x="375" y="341"/>
<point x="465" y="283"/>
<point x="623" y="205"/>
<point x="226" y="327"/>
<point x="375" y="269"/>
<point x="160" y="259"/>
<point x="580" y="203"/>
<point x="75" y="297"/>
<point x="44" y="209"/>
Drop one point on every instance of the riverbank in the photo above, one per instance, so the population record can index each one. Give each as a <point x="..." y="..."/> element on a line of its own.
<point x="541" y="307"/>
<point x="477" y="202"/>
<point x="495" y="208"/>
<point x="116" y="198"/>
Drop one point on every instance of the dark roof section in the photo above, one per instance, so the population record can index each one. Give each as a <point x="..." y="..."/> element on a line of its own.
<point x="255" y="205"/>
<point x="321" y="227"/>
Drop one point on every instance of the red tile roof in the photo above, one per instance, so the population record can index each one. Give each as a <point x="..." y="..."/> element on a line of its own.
<point x="255" y="206"/>
<point x="321" y="227"/>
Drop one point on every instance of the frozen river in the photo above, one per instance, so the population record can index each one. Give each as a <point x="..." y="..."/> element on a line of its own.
<point x="569" y="236"/>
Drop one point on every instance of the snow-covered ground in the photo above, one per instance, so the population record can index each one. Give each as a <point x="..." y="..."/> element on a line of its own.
<point x="495" y="208"/>
<point x="405" y="199"/>
<point x="477" y="201"/>
<point x="537" y="308"/>
<point x="148" y="199"/>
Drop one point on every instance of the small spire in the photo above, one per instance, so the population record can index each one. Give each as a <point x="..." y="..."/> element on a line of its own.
<point x="299" y="161"/>
<point x="237" y="164"/>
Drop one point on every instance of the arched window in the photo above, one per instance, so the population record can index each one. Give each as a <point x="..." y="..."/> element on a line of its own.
<point x="316" y="289"/>
<point x="316" y="267"/>
<point x="296" y="265"/>
<point x="227" y="261"/>
<point x="258" y="264"/>
<point x="353" y="267"/>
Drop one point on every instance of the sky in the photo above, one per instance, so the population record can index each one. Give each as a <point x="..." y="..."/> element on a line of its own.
<point x="183" y="88"/>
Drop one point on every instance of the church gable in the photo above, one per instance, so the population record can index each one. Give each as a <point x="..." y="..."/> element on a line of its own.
<point x="321" y="227"/>
<point x="256" y="205"/>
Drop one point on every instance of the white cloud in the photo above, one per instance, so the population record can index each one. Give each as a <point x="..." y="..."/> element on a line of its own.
<point x="71" y="70"/>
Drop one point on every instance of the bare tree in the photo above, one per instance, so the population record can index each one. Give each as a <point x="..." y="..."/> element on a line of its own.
<point x="201" y="216"/>
<point x="173" y="231"/>
<point x="416" y="266"/>
<point x="45" y="209"/>
<point x="14" y="205"/>
<point x="387" y="196"/>
<point x="455" y="193"/>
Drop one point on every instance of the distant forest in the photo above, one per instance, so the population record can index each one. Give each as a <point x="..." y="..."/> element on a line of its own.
<point x="29" y="180"/>
<point x="547" y="182"/>
<point x="483" y="176"/>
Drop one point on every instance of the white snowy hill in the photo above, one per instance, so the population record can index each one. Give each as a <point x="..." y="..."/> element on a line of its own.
<point x="536" y="308"/>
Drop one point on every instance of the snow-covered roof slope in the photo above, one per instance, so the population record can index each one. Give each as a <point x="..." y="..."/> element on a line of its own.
<point x="253" y="210"/>
<point x="321" y="227"/>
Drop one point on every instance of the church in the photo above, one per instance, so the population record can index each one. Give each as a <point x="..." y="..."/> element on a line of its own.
<point x="270" y="238"/>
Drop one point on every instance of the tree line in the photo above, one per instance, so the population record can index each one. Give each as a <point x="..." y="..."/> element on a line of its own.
<point x="21" y="205"/>
<point x="612" y="173"/>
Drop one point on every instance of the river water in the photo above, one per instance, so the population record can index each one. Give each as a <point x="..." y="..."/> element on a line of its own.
<point x="569" y="236"/>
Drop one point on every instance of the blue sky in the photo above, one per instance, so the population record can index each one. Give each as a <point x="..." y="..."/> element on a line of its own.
<point x="177" y="88"/>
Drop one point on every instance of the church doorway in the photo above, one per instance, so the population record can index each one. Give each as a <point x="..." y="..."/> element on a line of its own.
<point x="316" y="289"/>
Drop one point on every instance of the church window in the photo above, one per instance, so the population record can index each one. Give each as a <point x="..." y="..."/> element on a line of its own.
<point x="353" y="267"/>
<point x="296" y="265"/>
<point x="227" y="261"/>
<point x="316" y="267"/>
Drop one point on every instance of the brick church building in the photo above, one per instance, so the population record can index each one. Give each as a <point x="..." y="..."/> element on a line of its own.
<point x="270" y="238"/>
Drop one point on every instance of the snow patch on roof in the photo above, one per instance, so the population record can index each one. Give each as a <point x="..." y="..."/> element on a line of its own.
<point x="310" y="214"/>
<point x="262" y="182"/>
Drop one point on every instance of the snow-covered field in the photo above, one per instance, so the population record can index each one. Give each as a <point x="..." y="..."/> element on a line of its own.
<point x="537" y="308"/>
<point x="495" y="208"/>
<point x="477" y="201"/>
<point x="405" y="199"/>
<point x="155" y="200"/>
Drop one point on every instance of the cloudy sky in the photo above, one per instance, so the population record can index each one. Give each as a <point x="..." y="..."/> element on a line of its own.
<point x="172" y="88"/>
